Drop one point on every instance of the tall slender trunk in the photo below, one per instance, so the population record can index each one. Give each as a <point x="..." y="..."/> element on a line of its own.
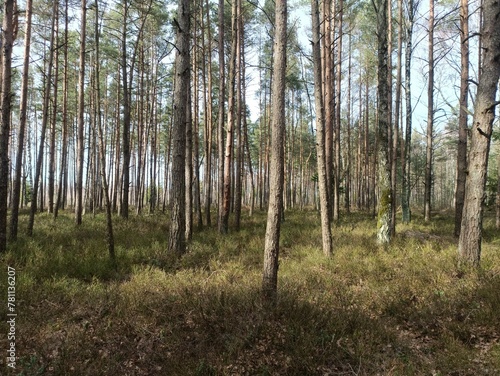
<point x="126" y="120"/>
<point x="81" y="115"/>
<point x="16" y="194"/>
<point x="328" y="93"/>
<point x="406" y="187"/>
<point x="384" y="166"/>
<point x="271" y="247"/>
<point x="189" y="166"/>
<point x="207" y="71"/>
<point x="102" y="149"/>
<point x="469" y="245"/>
<point x="228" y="154"/>
<point x="52" y="140"/>
<point x="177" y="241"/>
<point x="45" y="118"/>
<point x="347" y="200"/>
<point x="397" y="113"/>
<point x="392" y="153"/>
<point x="240" y="113"/>
<point x="463" y="115"/>
<point x="220" y="127"/>
<point x="430" y="118"/>
<point x="338" y="160"/>
<point x="63" y="175"/>
<point x="6" y="104"/>
<point x="320" y="133"/>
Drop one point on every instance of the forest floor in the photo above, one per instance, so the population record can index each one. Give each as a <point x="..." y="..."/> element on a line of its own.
<point x="406" y="310"/>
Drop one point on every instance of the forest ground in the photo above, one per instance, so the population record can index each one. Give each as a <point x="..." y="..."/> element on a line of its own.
<point x="406" y="310"/>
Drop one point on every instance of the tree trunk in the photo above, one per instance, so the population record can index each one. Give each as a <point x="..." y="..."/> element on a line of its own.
<point x="463" y="114"/>
<point x="45" y="118"/>
<point x="6" y="104"/>
<point x="240" y="113"/>
<point x="63" y="175"/>
<point x="81" y="113"/>
<point x="397" y="113"/>
<point x="220" y="128"/>
<point x="16" y="194"/>
<point x="126" y="120"/>
<point x="338" y="117"/>
<point x="329" y="99"/>
<point x="177" y="244"/>
<point x="189" y="166"/>
<point x="469" y="246"/>
<point x="102" y="150"/>
<point x="430" y="118"/>
<point x="271" y="248"/>
<point x="384" y="165"/>
<point x="207" y="71"/>
<point x="320" y="133"/>
<point x="406" y="187"/>
<point x="52" y="141"/>
<point x="228" y="154"/>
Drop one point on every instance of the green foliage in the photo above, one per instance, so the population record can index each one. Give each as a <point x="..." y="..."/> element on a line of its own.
<point x="406" y="310"/>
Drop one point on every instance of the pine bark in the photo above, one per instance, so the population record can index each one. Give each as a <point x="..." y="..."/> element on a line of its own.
<point x="6" y="104"/>
<point x="430" y="117"/>
<point x="63" y="175"/>
<point x="177" y="243"/>
<point x="406" y="187"/>
<point x="125" y="178"/>
<point x="338" y="81"/>
<point x="16" y="194"/>
<point x="320" y="133"/>
<point x="271" y="248"/>
<point x="101" y="142"/>
<point x="463" y="115"/>
<point x="81" y="113"/>
<point x="45" y="118"/>
<point x="469" y="246"/>
<point x="221" y="120"/>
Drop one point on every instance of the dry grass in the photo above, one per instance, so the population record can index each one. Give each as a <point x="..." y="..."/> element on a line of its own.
<point x="407" y="310"/>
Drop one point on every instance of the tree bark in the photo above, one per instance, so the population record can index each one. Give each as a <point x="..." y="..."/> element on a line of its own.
<point x="52" y="140"/>
<point x="81" y="114"/>
<point x="406" y="187"/>
<point x="126" y="120"/>
<point x="320" y="133"/>
<point x="102" y="149"/>
<point x="16" y="194"/>
<point x="221" y="120"/>
<point x="6" y="104"/>
<point x="271" y="248"/>
<point x="207" y="99"/>
<point x="384" y="165"/>
<point x="463" y="114"/>
<point x="469" y="246"/>
<point x="63" y="175"/>
<point x="45" y="118"/>
<point x="228" y="154"/>
<point x="177" y="243"/>
<point x="338" y="161"/>
<point x="430" y="118"/>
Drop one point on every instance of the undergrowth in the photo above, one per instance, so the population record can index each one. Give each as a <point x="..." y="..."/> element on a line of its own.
<point x="405" y="310"/>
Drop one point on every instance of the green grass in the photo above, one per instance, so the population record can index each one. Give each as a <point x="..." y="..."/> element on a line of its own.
<point x="405" y="310"/>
